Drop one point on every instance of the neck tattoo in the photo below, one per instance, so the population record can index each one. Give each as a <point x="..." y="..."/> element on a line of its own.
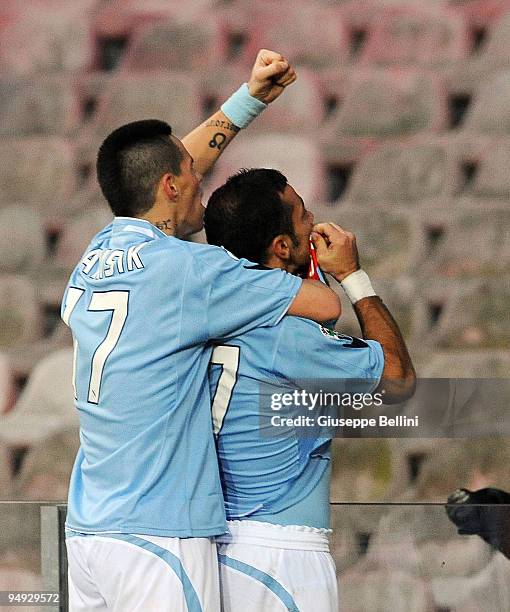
<point x="167" y="224"/>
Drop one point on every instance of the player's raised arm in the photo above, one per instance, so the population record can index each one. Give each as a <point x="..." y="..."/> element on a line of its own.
<point x="270" y="75"/>
<point x="337" y="254"/>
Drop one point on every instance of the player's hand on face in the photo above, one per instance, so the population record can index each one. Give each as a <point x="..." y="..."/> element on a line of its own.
<point x="337" y="253"/>
<point x="270" y="75"/>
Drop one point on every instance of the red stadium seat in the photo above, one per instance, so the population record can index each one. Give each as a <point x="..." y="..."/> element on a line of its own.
<point x="406" y="172"/>
<point x="45" y="36"/>
<point x="176" y="45"/>
<point x="44" y="105"/>
<point x="416" y="36"/>
<point x="389" y="103"/>
<point x="40" y="171"/>
<point x="490" y="111"/>
<point x="297" y="157"/>
<point x="169" y="96"/>
<point x="306" y="33"/>
<point x="17" y="254"/>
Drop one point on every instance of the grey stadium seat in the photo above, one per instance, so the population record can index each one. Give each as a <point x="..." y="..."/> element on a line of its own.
<point x="17" y="254"/>
<point x="173" y="44"/>
<point x="474" y="314"/>
<point x="398" y="172"/>
<point x="290" y="28"/>
<point x="384" y="591"/>
<point x="51" y="159"/>
<point x="492" y="179"/>
<point x="385" y="103"/>
<point x="34" y="106"/>
<point x="297" y="157"/>
<point x="46" y="36"/>
<point x="46" y="405"/>
<point x="389" y="239"/>
<point x="474" y="242"/>
<point x="169" y="96"/>
<point x="490" y="113"/>
<point x="417" y="35"/>
<point x="20" y="312"/>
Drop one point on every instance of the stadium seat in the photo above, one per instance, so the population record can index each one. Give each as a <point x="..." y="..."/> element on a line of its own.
<point x="492" y="181"/>
<point x="20" y="315"/>
<point x="362" y="470"/>
<point x="169" y="96"/>
<point x="399" y="294"/>
<point x="468" y="364"/>
<point x="47" y="467"/>
<point x="22" y="239"/>
<point x="408" y="173"/>
<point x="473" y="314"/>
<point x="297" y="157"/>
<point x="388" y="103"/>
<point x="388" y="239"/>
<point x="5" y="472"/>
<point x="46" y="404"/>
<point x="7" y="385"/>
<point x="172" y="44"/>
<point x="384" y="591"/>
<point x="77" y="234"/>
<point x="44" y="105"/>
<point x="301" y="110"/>
<point x="490" y="112"/>
<point x="474" y="242"/>
<point x="306" y="33"/>
<point x="49" y="36"/>
<point x="40" y="171"/>
<point x="416" y="35"/>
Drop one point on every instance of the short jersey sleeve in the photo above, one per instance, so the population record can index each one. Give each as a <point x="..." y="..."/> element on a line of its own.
<point x="240" y="295"/>
<point x="307" y="350"/>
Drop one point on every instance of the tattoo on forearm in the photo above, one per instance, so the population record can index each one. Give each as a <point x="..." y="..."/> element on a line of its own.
<point x="222" y="124"/>
<point x="218" y="140"/>
<point x="167" y="224"/>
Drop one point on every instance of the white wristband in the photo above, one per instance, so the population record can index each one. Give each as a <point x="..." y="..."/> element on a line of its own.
<point x="358" y="286"/>
<point x="242" y="108"/>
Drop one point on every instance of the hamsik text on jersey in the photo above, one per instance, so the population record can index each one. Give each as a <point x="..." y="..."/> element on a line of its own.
<point x="281" y="479"/>
<point x="142" y="306"/>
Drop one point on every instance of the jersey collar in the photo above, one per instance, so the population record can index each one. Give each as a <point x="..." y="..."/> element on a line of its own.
<point x="139" y="226"/>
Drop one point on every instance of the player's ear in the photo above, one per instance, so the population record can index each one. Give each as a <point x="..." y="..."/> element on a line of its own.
<point x="169" y="186"/>
<point x="280" y="247"/>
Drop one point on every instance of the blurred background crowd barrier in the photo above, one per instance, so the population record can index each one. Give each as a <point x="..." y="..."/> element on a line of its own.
<point x="398" y="128"/>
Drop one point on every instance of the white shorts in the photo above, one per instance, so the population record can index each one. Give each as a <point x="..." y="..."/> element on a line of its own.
<point x="133" y="573"/>
<point x="271" y="568"/>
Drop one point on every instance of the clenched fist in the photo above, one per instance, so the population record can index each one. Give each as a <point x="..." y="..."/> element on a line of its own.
<point x="270" y="75"/>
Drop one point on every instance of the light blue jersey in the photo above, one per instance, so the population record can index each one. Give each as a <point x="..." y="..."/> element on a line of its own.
<point x="142" y="306"/>
<point x="280" y="479"/>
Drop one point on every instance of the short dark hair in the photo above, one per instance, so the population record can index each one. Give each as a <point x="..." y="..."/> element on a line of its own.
<point x="246" y="213"/>
<point x="130" y="163"/>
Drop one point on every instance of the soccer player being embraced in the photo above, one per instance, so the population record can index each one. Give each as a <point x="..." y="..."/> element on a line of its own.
<point x="145" y="498"/>
<point x="276" y="489"/>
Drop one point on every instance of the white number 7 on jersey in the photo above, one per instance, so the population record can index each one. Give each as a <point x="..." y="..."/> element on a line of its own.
<point x="228" y="358"/>
<point x="117" y="302"/>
